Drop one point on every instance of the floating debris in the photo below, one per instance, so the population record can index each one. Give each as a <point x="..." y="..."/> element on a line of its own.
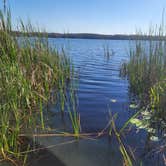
<point x="113" y="100"/>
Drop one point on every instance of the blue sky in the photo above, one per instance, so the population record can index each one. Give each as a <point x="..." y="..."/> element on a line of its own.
<point x="89" y="16"/>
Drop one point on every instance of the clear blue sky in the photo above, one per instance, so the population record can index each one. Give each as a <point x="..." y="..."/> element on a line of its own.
<point x="89" y="16"/>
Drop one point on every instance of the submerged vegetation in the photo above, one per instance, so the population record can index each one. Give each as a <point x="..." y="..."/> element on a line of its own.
<point x="127" y="159"/>
<point x="146" y="72"/>
<point x="31" y="74"/>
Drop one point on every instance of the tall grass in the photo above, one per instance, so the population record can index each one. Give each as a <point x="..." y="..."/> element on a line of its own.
<point x="146" y="72"/>
<point x="127" y="160"/>
<point x="73" y="113"/>
<point x="29" y="71"/>
<point x="108" y="52"/>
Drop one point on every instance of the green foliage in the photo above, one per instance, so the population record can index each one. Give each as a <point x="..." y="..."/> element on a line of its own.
<point x="146" y="72"/>
<point x="127" y="161"/>
<point x="29" y="71"/>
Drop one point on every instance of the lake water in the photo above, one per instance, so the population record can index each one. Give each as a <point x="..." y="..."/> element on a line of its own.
<point x="100" y="90"/>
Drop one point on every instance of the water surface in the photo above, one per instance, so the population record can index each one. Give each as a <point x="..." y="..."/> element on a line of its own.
<point x="100" y="90"/>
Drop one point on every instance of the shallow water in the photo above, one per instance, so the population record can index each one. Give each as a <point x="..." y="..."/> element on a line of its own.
<point x="100" y="90"/>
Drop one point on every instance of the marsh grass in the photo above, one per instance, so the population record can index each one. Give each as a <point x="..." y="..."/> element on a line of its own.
<point x="72" y="103"/>
<point x="127" y="160"/>
<point x="29" y="71"/>
<point x="146" y="72"/>
<point x="108" y="53"/>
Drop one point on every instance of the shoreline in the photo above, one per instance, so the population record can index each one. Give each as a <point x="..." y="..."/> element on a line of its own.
<point x="92" y="36"/>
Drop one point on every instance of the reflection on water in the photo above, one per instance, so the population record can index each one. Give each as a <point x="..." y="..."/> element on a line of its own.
<point x="100" y="90"/>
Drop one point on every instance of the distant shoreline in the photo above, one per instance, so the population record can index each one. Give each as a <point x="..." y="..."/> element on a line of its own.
<point x="94" y="36"/>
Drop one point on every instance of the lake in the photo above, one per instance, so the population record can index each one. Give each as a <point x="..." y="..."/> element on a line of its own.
<point x="100" y="91"/>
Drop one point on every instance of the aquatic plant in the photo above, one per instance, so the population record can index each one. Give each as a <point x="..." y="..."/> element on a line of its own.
<point x="108" y="52"/>
<point x="146" y="72"/>
<point x="127" y="161"/>
<point x="72" y="108"/>
<point x="31" y="74"/>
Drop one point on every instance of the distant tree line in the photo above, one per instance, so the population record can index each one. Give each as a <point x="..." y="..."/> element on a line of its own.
<point x="93" y="36"/>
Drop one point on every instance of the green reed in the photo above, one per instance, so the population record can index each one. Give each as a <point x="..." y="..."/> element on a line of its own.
<point x="74" y="116"/>
<point x="71" y="102"/>
<point x="29" y="71"/>
<point x="146" y="72"/>
<point x="108" y="53"/>
<point x="127" y="160"/>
